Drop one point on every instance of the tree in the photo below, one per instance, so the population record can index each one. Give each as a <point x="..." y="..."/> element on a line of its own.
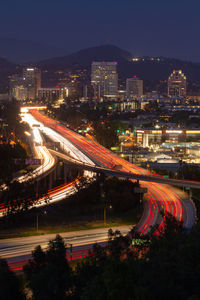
<point x="12" y="114"/>
<point x="7" y="164"/>
<point x="17" y="198"/>
<point x="9" y="283"/>
<point x="105" y="134"/>
<point x="48" y="273"/>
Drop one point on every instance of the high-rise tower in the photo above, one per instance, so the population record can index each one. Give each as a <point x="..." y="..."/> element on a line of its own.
<point x="134" y="87"/>
<point x="177" y="84"/>
<point x="32" y="81"/>
<point x="104" y="79"/>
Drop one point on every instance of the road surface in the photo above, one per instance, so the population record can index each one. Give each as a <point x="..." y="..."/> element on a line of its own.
<point x="17" y="251"/>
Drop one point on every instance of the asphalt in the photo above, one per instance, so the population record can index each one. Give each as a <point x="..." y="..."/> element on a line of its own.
<point x="18" y="250"/>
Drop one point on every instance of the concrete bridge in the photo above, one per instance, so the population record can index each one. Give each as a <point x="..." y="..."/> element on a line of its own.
<point x="109" y="172"/>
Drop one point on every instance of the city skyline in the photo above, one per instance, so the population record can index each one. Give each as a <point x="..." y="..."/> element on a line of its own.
<point x="132" y="26"/>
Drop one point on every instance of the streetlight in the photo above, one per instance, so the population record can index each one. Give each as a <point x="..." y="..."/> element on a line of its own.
<point x="37" y="219"/>
<point x="105" y="215"/>
<point x="103" y="199"/>
<point x="37" y="223"/>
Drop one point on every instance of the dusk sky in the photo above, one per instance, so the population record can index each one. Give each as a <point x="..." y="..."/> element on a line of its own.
<point x="145" y="27"/>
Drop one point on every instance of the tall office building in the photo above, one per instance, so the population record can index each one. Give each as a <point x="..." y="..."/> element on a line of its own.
<point x="104" y="79"/>
<point x="16" y="88"/>
<point x="32" y="81"/>
<point x="177" y="84"/>
<point x="134" y="87"/>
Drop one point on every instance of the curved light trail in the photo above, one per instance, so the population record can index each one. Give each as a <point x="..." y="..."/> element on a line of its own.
<point x="64" y="190"/>
<point x="48" y="162"/>
<point x="159" y="196"/>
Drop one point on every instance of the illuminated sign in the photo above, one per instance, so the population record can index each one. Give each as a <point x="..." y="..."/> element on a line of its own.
<point x="140" y="131"/>
<point x="193" y="131"/>
<point x="157" y="131"/>
<point x="174" y="131"/>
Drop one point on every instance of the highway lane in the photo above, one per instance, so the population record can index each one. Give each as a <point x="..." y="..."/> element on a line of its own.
<point x="67" y="189"/>
<point x="41" y="152"/>
<point x="17" y="251"/>
<point x="110" y="172"/>
<point x="159" y="196"/>
<point x="48" y="162"/>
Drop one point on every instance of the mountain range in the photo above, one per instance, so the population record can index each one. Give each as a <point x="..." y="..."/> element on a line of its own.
<point x="147" y="68"/>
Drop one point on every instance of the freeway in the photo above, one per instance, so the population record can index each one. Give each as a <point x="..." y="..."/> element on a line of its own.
<point x="17" y="251"/>
<point x="48" y="161"/>
<point x="67" y="189"/>
<point x="159" y="196"/>
<point x="129" y="175"/>
<point x="41" y="152"/>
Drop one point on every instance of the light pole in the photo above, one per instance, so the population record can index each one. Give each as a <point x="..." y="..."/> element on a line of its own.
<point x="105" y="212"/>
<point x="104" y="202"/>
<point x="37" y="223"/>
<point x="104" y="215"/>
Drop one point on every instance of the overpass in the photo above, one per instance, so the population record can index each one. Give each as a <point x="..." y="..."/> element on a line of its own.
<point x="122" y="174"/>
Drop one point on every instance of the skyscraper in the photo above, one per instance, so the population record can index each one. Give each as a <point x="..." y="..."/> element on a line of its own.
<point x="32" y="81"/>
<point x="16" y="88"/>
<point x="104" y="79"/>
<point x="134" y="87"/>
<point x="177" y="84"/>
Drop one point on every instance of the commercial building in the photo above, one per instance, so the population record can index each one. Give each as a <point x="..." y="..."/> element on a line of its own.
<point x="25" y="87"/>
<point x="16" y="88"/>
<point x="51" y="94"/>
<point x="32" y="81"/>
<point x="134" y="87"/>
<point x="169" y="137"/>
<point x="104" y="79"/>
<point x="177" y="84"/>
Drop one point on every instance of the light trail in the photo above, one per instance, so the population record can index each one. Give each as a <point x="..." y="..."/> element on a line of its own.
<point x="48" y="162"/>
<point x="160" y="196"/>
<point x="64" y="190"/>
<point x="17" y="251"/>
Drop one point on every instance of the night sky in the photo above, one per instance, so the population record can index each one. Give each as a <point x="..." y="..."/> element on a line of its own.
<point x="144" y="27"/>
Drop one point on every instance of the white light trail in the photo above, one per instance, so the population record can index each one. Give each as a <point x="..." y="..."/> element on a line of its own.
<point x="67" y="147"/>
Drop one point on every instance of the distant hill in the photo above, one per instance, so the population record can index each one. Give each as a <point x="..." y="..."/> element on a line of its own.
<point x="21" y="51"/>
<point x="6" y="68"/>
<point x="86" y="56"/>
<point x="150" y="69"/>
<point x="5" y="65"/>
<point x="145" y="67"/>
